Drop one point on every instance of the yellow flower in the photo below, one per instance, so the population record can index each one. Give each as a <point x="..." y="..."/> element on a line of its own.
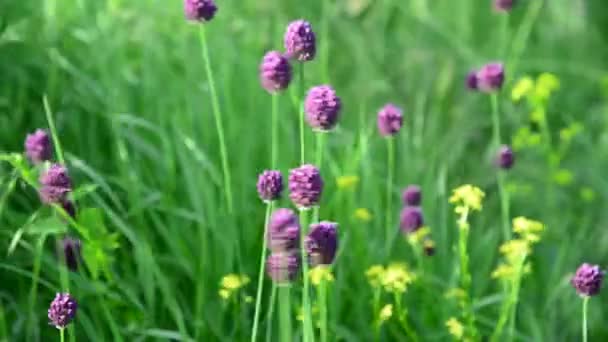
<point x="455" y="328"/>
<point x="374" y="275"/>
<point x="347" y="182"/>
<point x="386" y="313"/>
<point x="529" y="230"/>
<point x="419" y="235"/>
<point x="225" y="294"/>
<point x="522" y="88"/>
<point x="363" y="215"/>
<point x="514" y="250"/>
<point x="234" y="281"/>
<point x="397" y="277"/>
<point x="467" y="196"/>
<point x="546" y="84"/>
<point x="455" y="292"/>
<point x="320" y="273"/>
<point x="503" y="271"/>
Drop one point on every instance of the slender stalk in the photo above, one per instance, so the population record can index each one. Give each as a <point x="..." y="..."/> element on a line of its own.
<point x="390" y="151"/>
<point x="62" y="334"/>
<point x="377" y="312"/>
<point x="504" y="196"/>
<point x="465" y="274"/>
<point x="258" y="297"/>
<point x="51" y="122"/>
<point x="323" y="309"/>
<point x="585" y="305"/>
<point x="402" y="315"/>
<point x="285" y="315"/>
<point x="271" y="304"/>
<point x="302" y="138"/>
<point x="307" y="321"/>
<point x="515" y="299"/>
<point x="274" y="153"/>
<point x="319" y="161"/>
<point x="218" y="120"/>
<point x="509" y="306"/>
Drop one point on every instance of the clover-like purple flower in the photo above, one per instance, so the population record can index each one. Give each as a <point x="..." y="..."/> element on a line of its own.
<point x="62" y="310"/>
<point x="300" y="41"/>
<point x="270" y="185"/>
<point x="275" y="72"/>
<point x="490" y="77"/>
<point x="55" y="184"/>
<point x="411" y="219"/>
<point x="390" y="120"/>
<point x="588" y="280"/>
<point x="322" y="243"/>
<point x="322" y="108"/>
<point x="412" y="195"/>
<point x="505" y="158"/>
<point x="199" y="10"/>
<point x="38" y="146"/>
<point x="305" y="186"/>
<point x="283" y="267"/>
<point x="503" y="5"/>
<point x="283" y="230"/>
<point x="471" y="80"/>
<point x="71" y="249"/>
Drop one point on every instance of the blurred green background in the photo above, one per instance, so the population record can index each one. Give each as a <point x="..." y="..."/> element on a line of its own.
<point x="126" y="83"/>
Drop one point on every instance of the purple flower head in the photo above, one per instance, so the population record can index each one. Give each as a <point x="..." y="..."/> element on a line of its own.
<point x="199" y="10"/>
<point x="322" y="243"/>
<point x="305" y="186"/>
<point x="283" y="267"/>
<point x="55" y="184"/>
<point x="412" y="195"/>
<point x="270" y="185"/>
<point x="70" y="249"/>
<point x="411" y="219"/>
<point x="503" y="5"/>
<point x="275" y="72"/>
<point x="322" y="108"/>
<point x="472" y="80"/>
<point x="390" y="120"/>
<point x="490" y="77"/>
<point x="62" y="310"/>
<point x="588" y="280"/>
<point x="505" y="158"/>
<point x="283" y="230"/>
<point x="300" y="41"/>
<point x="38" y="147"/>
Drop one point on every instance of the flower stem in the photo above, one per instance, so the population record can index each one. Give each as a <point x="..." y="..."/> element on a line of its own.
<point x="585" y="305"/>
<point x="285" y="315"/>
<point x="62" y="334"/>
<point x="271" y="304"/>
<point x="302" y="138"/>
<point x="390" y="151"/>
<point x="509" y="306"/>
<point x="258" y="297"/>
<point x="402" y="315"/>
<point x="274" y="153"/>
<point x="218" y="121"/>
<point x="504" y="196"/>
<point x="465" y="274"/>
<point x="323" y="309"/>
<point x="307" y="321"/>
<point x="318" y="161"/>
<point x="376" y="320"/>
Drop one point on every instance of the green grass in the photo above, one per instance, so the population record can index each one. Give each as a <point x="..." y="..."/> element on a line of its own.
<point x="133" y="110"/>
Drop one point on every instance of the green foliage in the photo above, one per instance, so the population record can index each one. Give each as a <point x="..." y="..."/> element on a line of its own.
<point x="98" y="248"/>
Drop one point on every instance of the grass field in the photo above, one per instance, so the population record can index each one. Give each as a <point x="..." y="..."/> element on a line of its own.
<point x="127" y="89"/>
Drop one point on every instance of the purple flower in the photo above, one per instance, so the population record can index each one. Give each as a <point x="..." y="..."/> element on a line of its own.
<point x="300" y="41"/>
<point x="490" y="77"/>
<point x="322" y="108"/>
<point x="199" y="10"/>
<point x="505" y="158"/>
<point x="305" y="186"/>
<point x="55" y="184"/>
<point x="275" y="72"/>
<point x="270" y="185"/>
<point x="322" y="243"/>
<point x="283" y="267"/>
<point x="390" y="120"/>
<point x="412" y="195"/>
<point x="411" y="219"/>
<point x="472" y="80"/>
<point x="69" y="208"/>
<point x="71" y="252"/>
<point x="503" y="5"/>
<point x="38" y="147"/>
<point x="588" y="280"/>
<point x="62" y="310"/>
<point x="283" y="230"/>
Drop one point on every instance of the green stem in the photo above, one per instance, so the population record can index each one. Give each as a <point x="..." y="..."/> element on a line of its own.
<point x="319" y="161"/>
<point x="500" y="177"/>
<point x="515" y="299"/>
<point x="51" y="122"/>
<point x="218" y="121"/>
<point x="62" y="334"/>
<point x="509" y="305"/>
<point x="302" y="138"/>
<point x="585" y="305"/>
<point x="402" y="315"/>
<point x="271" y="304"/>
<point x="285" y="316"/>
<point x="390" y="147"/>
<point x="274" y="144"/>
<point x="258" y="298"/>
<point x="376" y="313"/>
<point x="465" y="274"/>
<point x="323" y="309"/>
<point x="307" y="321"/>
<point x="521" y="37"/>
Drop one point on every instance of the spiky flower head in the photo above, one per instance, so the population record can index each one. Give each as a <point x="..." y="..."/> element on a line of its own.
<point x="305" y="186"/>
<point x="283" y="230"/>
<point x="322" y="243"/>
<point x="411" y="219"/>
<point x="300" y="41"/>
<point x="503" y="5"/>
<point x="322" y="107"/>
<point x="471" y="80"/>
<point x="55" y="184"/>
<point x="70" y="250"/>
<point x="38" y="146"/>
<point x="283" y="267"/>
<point x="275" y="72"/>
<point x="505" y="158"/>
<point x="490" y="77"/>
<point x="412" y="195"/>
<point x="467" y="197"/>
<point x="270" y="185"/>
<point x="588" y="280"/>
<point x="390" y="120"/>
<point x="199" y="10"/>
<point x="62" y="310"/>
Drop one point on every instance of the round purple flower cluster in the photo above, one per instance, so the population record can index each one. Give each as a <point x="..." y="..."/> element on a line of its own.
<point x="412" y="195"/>
<point x="322" y="108"/>
<point x="275" y="72"/>
<point x="588" y="280"/>
<point x="305" y="186"/>
<point x="283" y="267"/>
<point x="55" y="185"/>
<point x="488" y="79"/>
<point x="390" y="120"/>
<point x="38" y="147"/>
<point x="322" y="243"/>
<point x="62" y="310"/>
<point x="270" y="185"/>
<point x="284" y="242"/>
<point x="411" y="219"/>
<point x="503" y="5"/>
<point x="300" y="41"/>
<point x="505" y="158"/>
<point x="199" y="10"/>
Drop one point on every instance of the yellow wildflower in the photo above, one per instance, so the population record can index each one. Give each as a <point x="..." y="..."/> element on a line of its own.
<point x="319" y="274"/>
<point x="363" y="215"/>
<point x="419" y="235"/>
<point x="503" y="271"/>
<point x="386" y="313"/>
<point x="528" y="229"/>
<point x="374" y="275"/>
<point x="546" y="84"/>
<point x="522" y="88"/>
<point x="516" y="249"/>
<point x="347" y="182"/>
<point x="225" y="294"/>
<point x="397" y="277"/>
<point x="467" y="197"/>
<point x="455" y="328"/>
<point x="234" y="281"/>
<point x="456" y="293"/>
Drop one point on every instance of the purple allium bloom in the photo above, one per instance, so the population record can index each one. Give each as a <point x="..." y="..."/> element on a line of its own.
<point x="199" y="10"/>
<point x="411" y="219"/>
<point x="300" y="41"/>
<point x="38" y="147"/>
<point x="322" y="108"/>
<point x="472" y="80"/>
<point x="283" y="267"/>
<point x="270" y="185"/>
<point x="390" y="120"/>
<point x="275" y="72"/>
<point x="305" y="186"/>
<point x="322" y="243"/>
<point x="62" y="310"/>
<point x="412" y="195"/>
<point x="505" y="158"/>
<point x="55" y="184"/>
<point x="490" y="77"/>
<point x="588" y="280"/>
<point x="283" y="230"/>
<point x="503" y="5"/>
<point x="71" y="252"/>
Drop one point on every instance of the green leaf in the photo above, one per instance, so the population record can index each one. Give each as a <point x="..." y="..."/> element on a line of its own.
<point x="47" y="226"/>
<point x="83" y="190"/>
<point x="97" y="250"/>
